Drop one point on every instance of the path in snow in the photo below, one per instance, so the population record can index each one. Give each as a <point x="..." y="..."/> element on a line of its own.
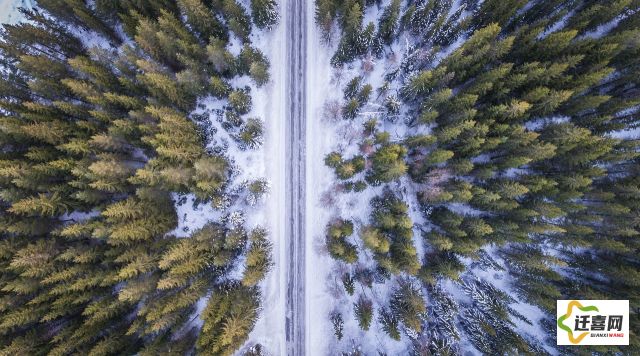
<point x="295" y="168"/>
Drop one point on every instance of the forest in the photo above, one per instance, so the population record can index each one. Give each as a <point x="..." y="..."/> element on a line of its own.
<point x="483" y="158"/>
<point x="100" y="143"/>
<point x="495" y="138"/>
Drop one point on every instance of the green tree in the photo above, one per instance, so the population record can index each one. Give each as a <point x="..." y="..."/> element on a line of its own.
<point x="387" y="164"/>
<point x="264" y="13"/>
<point x="337" y="244"/>
<point x="203" y="21"/>
<point x="228" y="318"/>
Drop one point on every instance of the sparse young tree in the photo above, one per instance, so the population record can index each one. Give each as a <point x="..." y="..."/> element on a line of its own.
<point x="363" y="309"/>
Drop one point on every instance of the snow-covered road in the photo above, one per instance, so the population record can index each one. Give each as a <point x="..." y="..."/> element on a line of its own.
<point x="295" y="167"/>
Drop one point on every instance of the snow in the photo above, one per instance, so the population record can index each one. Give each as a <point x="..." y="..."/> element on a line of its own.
<point x="235" y="44"/>
<point x="464" y="209"/>
<point x="191" y="216"/>
<point x="78" y="216"/>
<point x="326" y="201"/>
<point x="319" y="301"/>
<point x="539" y="123"/>
<point x="194" y="318"/>
<point x="445" y="52"/>
<point x="9" y="10"/>
<point x="268" y="103"/>
<point x="604" y="29"/>
<point x="627" y="133"/>
<point x="557" y="26"/>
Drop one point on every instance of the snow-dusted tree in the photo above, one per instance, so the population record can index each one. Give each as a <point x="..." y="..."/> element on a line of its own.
<point x="408" y="306"/>
<point x="251" y="134"/>
<point x="363" y="310"/>
<point x="349" y="283"/>
<point x="390" y="324"/>
<point x="264" y="13"/>
<point x="338" y="324"/>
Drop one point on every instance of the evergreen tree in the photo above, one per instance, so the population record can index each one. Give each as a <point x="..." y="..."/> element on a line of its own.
<point x="338" y="246"/>
<point x="264" y="13"/>
<point x="387" y="164"/>
<point x="388" y="22"/>
<point x="202" y="20"/>
<point x="408" y="306"/>
<point x="258" y="260"/>
<point x="228" y="318"/>
<point x="392" y="228"/>
<point x="95" y="142"/>
<point x="338" y="324"/>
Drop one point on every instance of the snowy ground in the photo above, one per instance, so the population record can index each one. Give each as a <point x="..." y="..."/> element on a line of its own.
<point x="269" y="102"/>
<point x="320" y="139"/>
<point x="9" y="10"/>
<point x="325" y="292"/>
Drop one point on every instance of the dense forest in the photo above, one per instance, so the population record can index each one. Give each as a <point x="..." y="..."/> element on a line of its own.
<point x="99" y="138"/>
<point x="514" y="119"/>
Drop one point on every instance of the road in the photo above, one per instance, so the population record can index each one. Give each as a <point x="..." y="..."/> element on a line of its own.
<point x="295" y="176"/>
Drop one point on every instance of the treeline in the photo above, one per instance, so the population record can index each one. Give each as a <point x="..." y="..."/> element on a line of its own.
<point x="512" y="146"/>
<point x="97" y="133"/>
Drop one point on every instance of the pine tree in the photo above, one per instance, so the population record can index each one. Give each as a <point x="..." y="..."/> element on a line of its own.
<point x="203" y="21"/>
<point x="264" y="13"/>
<point x="348" y="283"/>
<point x="237" y="19"/>
<point x="338" y="324"/>
<point x="228" y="317"/>
<point x="390" y="324"/>
<point x="387" y="164"/>
<point x="258" y="259"/>
<point x="363" y="309"/>
<point x="389" y="218"/>
<point x="408" y="306"/>
<point x="388" y="22"/>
